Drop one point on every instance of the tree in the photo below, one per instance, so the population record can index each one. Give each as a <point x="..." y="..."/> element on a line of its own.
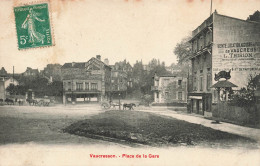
<point x="183" y="49"/>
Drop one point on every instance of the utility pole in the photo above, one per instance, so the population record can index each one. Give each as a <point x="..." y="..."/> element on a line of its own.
<point x="210" y="7"/>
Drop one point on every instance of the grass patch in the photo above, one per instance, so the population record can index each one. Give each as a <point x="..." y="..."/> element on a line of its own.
<point x="151" y="129"/>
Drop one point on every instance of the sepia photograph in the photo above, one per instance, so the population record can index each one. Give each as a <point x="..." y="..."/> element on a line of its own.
<point x="130" y="82"/>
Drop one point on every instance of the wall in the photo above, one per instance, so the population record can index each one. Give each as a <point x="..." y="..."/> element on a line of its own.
<point x="237" y="115"/>
<point x="236" y="47"/>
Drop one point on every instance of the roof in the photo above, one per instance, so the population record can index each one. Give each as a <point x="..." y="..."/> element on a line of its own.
<point x="223" y="84"/>
<point x="3" y="72"/>
<point x="204" y="25"/>
<point x="81" y="64"/>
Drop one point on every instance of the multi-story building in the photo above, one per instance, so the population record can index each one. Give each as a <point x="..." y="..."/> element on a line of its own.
<point x="118" y="81"/>
<point x="222" y="43"/>
<point x="52" y="72"/>
<point x="86" y="81"/>
<point x="121" y="78"/>
<point x="31" y="72"/>
<point x="169" y="89"/>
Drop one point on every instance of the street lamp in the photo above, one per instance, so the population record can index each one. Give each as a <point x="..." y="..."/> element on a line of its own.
<point x="119" y="102"/>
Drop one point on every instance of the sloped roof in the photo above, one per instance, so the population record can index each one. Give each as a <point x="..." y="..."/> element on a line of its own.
<point x="3" y="71"/>
<point x="223" y="84"/>
<point x="81" y="64"/>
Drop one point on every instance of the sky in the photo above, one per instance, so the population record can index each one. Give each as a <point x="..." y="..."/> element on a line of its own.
<point x="115" y="29"/>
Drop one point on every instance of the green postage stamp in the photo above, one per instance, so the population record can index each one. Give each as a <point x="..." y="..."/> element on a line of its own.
<point x="33" y="26"/>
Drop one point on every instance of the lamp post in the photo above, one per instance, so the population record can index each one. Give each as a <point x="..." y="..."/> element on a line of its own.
<point x="119" y="101"/>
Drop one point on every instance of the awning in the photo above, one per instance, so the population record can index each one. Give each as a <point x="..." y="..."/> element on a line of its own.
<point x="223" y="84"/>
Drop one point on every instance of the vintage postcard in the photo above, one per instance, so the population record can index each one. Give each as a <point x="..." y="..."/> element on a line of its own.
<point x="130" y="82"/>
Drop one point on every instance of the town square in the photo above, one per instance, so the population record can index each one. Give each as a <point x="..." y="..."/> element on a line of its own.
<point x="130" y="82"/>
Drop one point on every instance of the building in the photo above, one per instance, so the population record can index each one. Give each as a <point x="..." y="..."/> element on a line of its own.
<point x="121" y="76"/>
<point x="169" y="89"/>
<point x="86" y="81"/>
<point x="4" y="83"/>
<point x="118" y="81"/>
<point x="3" y="72"/>
<point x="222" y="43"/>
<point x="52" y="72"/>
<point x="31" y="72"/>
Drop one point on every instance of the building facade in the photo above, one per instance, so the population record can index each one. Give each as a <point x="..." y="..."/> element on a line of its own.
<point x="31" y="72"/>
<point x="121" y="79"/>
<point x="222" y="43"/>
<point x="86" y="81"/>
<point x="169" y="89"/>
<point x="118" y="82"/>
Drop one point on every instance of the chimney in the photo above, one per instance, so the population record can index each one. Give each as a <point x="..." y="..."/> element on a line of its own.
<point x="106" y="61"/>
<point x="98" y="57"/>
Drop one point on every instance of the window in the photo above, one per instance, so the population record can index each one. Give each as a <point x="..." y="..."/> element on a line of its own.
<point x="179" y="95"/>
<point x="208" y="79"/>
<point x="69" y="86"/>
<point x="166" y="82"/>
<point x="166" y="94"/>
<point x="201" y="42"/>
<point x="194" y="46"/>
<point x="86" y="86"/>
<point x="195" y="81"/>
<point x="79" y="86"/>
<point x="179" y="83"/>
<point x="94" y="86"/>
<point x="201" y="83"/>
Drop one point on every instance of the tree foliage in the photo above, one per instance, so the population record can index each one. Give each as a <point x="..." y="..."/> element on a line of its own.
<point x="245" y="97"/>
<point x="39" y="85"/>
<point x="143" y="76"/>
<point x="182" y="50"/>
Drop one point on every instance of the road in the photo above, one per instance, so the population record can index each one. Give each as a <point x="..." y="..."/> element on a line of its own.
<point x="32" y="135"/>
<point x="44" y="125"/>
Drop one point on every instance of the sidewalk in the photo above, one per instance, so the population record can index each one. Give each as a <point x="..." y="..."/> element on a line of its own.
<point x="226" y="127"/>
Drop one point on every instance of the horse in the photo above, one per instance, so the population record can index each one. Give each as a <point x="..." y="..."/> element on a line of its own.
<point x="9" y="101"/>
<point x="20" y="102"/>
<point x="32" y="101"/>
<point x="130" y="106"/>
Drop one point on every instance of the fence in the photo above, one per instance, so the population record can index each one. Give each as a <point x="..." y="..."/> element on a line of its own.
<point x="238" y="115"/>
